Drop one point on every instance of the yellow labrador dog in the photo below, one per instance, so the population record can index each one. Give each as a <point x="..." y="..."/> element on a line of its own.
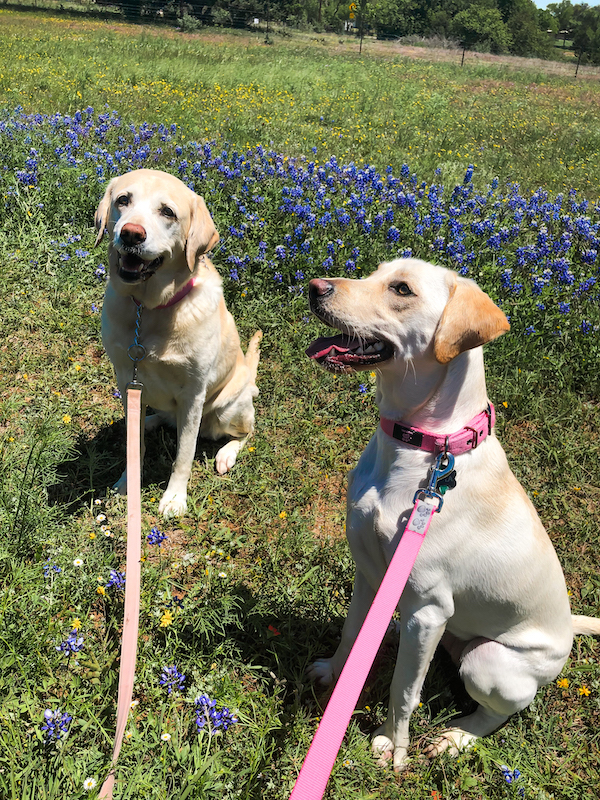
<point x="194" y="372"/>
<point x="487" y="581"/>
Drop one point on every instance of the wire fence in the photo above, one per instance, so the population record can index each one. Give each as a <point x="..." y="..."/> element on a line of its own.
<point x="260" y="17"/>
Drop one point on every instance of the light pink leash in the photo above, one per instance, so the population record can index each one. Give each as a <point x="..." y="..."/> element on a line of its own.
<point x="313" y="777"/>
<point x="133" y="578"/>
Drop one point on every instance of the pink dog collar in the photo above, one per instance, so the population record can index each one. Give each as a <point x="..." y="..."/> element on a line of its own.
<point x="456" y="443"/>
<point x="176" y="297"/>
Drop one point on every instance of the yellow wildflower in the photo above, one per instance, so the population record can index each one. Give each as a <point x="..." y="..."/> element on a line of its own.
<point x="563" y="683"/>
<point x="166" y="619"/>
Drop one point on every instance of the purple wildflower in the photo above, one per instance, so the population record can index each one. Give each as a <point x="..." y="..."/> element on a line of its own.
<point x="172" y="679"/>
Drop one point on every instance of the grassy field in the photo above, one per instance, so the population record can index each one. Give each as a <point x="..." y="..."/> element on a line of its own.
<point x="312" y="161"/>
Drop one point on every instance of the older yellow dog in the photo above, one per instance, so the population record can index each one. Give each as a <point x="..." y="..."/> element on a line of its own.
<point x="194" y="372"/>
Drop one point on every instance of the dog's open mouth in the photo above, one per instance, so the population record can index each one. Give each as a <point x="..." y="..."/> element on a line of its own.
<point x="343" y="353"/>
<point x="132" y="267"/>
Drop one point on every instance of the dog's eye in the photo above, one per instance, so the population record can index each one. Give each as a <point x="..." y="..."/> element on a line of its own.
<point x="122" y="200"/>
<point x="168" y="212"/>
<point x="402" y="288"/>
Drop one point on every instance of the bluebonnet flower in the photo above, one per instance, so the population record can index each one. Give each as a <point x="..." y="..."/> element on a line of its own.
<point x="362" y="388"/>
<point x="207" y="713"/>
<point x="510" y="776"/>
<point x="116" y="579"/>
<point x="172" y="679"/>
<point x="156" y="537"/>
<point x="586" y="327"/>
<point x="73" y="643"/>
<point x="55" y="725"/>
<point x="50" y="568"/>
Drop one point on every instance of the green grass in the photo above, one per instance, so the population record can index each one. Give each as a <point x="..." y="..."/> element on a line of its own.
<point x="274" y="526"/>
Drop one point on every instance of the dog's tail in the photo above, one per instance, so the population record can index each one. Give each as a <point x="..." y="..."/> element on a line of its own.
<point x="253" y="355"/>
<point x="587" y="626"/>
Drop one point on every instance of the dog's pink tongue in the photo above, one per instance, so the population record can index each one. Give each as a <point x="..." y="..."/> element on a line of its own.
<point x="322" y="347"/>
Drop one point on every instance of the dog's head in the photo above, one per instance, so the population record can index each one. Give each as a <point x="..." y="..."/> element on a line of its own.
<point x="406" y="310"/>
<point x="152" y="219"/>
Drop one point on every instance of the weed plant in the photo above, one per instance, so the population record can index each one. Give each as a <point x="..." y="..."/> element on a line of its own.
<point x="241" y="594"/>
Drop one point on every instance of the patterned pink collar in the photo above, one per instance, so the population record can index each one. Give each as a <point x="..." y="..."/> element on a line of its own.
<point x="461" y="441"/>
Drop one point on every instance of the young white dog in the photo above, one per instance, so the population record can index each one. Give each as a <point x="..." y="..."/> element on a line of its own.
<point x="487" y="581"/>
<point x="164" y="294"/>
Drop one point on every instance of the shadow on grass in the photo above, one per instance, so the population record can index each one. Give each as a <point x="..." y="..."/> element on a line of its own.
<point x="99" y="460"/>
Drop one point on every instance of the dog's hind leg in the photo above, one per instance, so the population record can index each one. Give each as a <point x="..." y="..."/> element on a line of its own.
<point x="235" y="420"/>
<point x="154" y="421"/>
<point x="503" y="681"/>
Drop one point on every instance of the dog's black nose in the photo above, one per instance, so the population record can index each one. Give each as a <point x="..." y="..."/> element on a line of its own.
<point x="132" y="235"/>
<point x="319" y="287"/>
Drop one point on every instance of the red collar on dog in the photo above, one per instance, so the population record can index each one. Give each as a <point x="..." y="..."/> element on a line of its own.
<point x="176" y="297"/>
<point x="461" y="441"/>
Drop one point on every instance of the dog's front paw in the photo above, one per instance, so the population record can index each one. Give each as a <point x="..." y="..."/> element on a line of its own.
<point x="172" y="505"/>
<point x="452" y="741"/>
<point x="384" y="750"/>
<point x="322" y="671"/>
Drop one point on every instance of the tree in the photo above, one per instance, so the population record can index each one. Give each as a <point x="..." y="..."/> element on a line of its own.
<point x="586" y="36"/>
<point x="483" y="27"/>
<point x="399" y="17"/>
<point x="523" y="23"/>
<point x="564" y="14"/>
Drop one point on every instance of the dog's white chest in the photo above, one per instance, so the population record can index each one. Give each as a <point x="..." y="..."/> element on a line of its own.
<point x="380" y="500"/>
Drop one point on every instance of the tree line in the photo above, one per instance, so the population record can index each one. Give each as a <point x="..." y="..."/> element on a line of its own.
<point x="517" y="27"/>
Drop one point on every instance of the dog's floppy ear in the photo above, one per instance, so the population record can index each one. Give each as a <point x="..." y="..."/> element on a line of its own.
<point x="103" y="211"/>
<point x="202" y="235"/>
<point x="470" y="319"/>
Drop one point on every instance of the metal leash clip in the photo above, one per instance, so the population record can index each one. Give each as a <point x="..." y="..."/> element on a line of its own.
<point x="441" y="478"/>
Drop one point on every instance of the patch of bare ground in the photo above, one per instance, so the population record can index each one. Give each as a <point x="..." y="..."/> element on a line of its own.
<point x="330" y="500"/>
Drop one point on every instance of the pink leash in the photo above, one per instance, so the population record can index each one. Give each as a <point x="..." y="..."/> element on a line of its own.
<point x="313" y="777"/>
<point x="133" y="581"/>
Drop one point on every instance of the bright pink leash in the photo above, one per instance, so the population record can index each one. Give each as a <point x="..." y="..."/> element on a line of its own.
<point x="313" y="777"/>
<point x="133" y="578"/>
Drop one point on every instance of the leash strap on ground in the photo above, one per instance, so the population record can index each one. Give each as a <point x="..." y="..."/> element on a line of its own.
<point x="313" y="777"/>
<point x="133" y="578"/>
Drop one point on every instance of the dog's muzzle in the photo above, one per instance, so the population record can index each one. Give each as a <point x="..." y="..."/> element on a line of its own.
<point x="341" y="353"/>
